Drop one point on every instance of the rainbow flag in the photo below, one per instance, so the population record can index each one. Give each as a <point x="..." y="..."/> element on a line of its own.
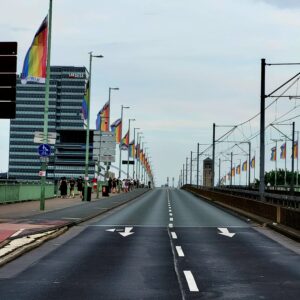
<point x="125" y="141"/>
<point x="35" y="62"/>
<point x="102" y="122"/>
<point x="131" y="149"/>
<point x="238" y="169"/>
<point x="117" y="127"/>
<point x="84" y="107"/>
<point x="252" y="165"/>
<point x="244" y="166"/>
<point x="273" y="154"/>
<point x="283" y="151"/>
<point x="295" y="150"/>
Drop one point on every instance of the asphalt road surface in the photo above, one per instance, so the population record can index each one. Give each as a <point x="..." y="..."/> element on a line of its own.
<point x="167" y="244"/>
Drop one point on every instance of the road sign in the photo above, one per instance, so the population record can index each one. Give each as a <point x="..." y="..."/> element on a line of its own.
<point x="107" y="158"/>
<point x="106" y="138"/>
<point x="104" y="151"/>
<point x="44" y="159"/>
<point x="39" y="138"/>
<point x="42" y="173"/>
<point x="97" y="145"/>
<point x="44" y="150"/>
<point x="130" y="162"/>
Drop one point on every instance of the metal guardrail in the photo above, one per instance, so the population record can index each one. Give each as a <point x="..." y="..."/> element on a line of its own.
<point x="281" y="199"/>
<point x="16" y="192"/>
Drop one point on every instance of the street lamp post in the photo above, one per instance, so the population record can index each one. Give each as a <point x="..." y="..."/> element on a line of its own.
<point x="121" y="133"/>
<point x="99" y="159"/>
<point x="134" y="154"/>
<point x="128" y="147"/>
<point x="139" y="137"/>
<point x="87" y="142"/>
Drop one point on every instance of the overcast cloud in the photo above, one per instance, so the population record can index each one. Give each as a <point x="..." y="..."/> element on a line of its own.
<point x="180" y="65"/>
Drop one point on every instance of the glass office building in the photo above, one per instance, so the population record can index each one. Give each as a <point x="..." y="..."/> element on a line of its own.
<point x="67" y="87"/>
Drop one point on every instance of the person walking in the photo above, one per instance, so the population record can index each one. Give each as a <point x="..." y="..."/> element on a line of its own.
<point x="72" y="187"/>
<point x="80" y="186"/>
<point x="114" y="185"/>
<point x="63" y="187"/>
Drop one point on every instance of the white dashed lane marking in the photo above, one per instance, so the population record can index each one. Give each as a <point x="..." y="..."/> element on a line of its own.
<point x="191" y="281"/>
<point x="179" y="251"/>
<point x="174" y="235"/>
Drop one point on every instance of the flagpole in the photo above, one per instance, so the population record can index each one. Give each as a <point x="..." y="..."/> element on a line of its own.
<point x="285" y="163"/>
<point x="128" y="146"/>
<point x="46" y="107"/>
<point x="297" y="159"/>
<point x="275" y="164"/>
<point x="240" y="172"/>
<point x="87" y="141"/>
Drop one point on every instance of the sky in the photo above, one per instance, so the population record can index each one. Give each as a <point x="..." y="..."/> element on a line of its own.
<point x="180" y="65"/>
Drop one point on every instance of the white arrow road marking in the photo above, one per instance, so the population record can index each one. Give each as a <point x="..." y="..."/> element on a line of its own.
<point x="111" y="230"/>
<point x="127" y="231"/>
<point x="224" y="231"/>
<point x="191" y="281"/>
<point x="179" y="251"/>
<point x="174" y="235"/>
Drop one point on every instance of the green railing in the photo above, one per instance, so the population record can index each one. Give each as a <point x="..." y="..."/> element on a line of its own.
<point x="10" y="193"/>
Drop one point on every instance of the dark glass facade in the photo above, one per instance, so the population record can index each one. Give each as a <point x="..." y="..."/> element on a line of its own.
<point x="67" y="87"/>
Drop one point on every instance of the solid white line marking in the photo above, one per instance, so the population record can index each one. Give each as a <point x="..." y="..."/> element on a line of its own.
<point x="191" y="281"/>
<point x="170" y="225"/>
<point x="179" y="251"/>
<point x="171" y="219"/>
<point x="174" y="235"/>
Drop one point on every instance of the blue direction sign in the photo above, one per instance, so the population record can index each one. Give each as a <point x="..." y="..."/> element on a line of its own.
<point x="44" y="150"/>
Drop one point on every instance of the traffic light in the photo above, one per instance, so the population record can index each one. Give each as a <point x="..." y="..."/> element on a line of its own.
<point x="8" y="76"/>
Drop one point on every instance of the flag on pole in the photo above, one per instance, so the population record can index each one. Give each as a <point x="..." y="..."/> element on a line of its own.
<point x="137" y="151"/>
<point x="132" y="149"/>
<point x="116" y="127"/>
<point x="295" y="150"/>
<point x="283" y="151"/>
<point x="273" y="154"/>
<point x="102" y="122"/>
<point x="238" y="169"/>
<point x="35" y="62"/>
<point x="244" y="166"/>
<point x="233" y="172"/>
<point x="252" y="162"/>
<point x="84" y="107"/>
<point x="125" y="141"/>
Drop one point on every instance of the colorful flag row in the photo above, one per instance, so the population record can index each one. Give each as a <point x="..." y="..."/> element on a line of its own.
<point x="283" y="152"/>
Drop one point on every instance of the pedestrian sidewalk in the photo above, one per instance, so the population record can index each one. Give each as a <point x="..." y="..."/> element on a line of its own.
<point x="30" y="208"/>
<point x="25" y="218"/>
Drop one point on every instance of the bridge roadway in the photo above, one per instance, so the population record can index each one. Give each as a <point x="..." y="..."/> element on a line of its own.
<point x="166" y="244"/>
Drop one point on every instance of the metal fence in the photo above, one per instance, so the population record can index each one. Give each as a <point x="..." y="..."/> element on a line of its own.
<point x="11" y="193"/>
